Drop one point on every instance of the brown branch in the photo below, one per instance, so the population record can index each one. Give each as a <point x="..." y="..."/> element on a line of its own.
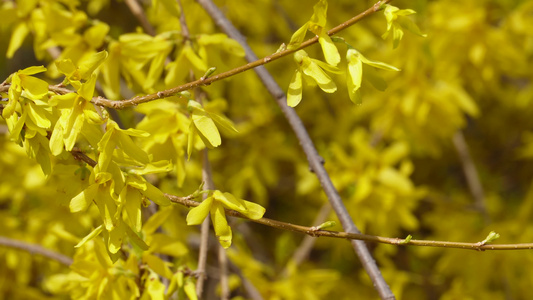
<point x="80" y="156"/>
<point x="120" y="104"/>
<point x="313" y="232"/>
<point x="138" y="12"/>
<point x="207" y="177"/>
<point x="35" y="249"/>
<point x="471" y="175"/>
<point x="189" y="202"/>
<point x="183" y="23"/>
<point x="314" y="159"/>
<point x="223" y="271"/>
<point x="302" y="252"/>
<point x="250" y="289"/>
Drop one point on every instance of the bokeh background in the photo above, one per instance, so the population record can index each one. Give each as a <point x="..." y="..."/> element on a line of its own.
<point x="462" y="103"/>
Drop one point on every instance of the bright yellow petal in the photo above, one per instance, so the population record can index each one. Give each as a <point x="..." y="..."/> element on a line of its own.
<point x="220" y="224"/>
<point x="197" y="215"/>
<point x="294" y="94"/>
<point x="312" y="70"/>
<point x="330" y="50"/>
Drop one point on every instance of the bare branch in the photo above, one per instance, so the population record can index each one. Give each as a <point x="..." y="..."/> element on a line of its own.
<point x="120" y="104"/>
<point x="183" y="23"/>
<point x="472" y="177"/>
<point x="35" y="249"/>
<point x="138" y="12"/>
<point x="204" y="239"/>
<point x="313" y="157"/>
<point x="312" y="231"/>
<point x="302" y="252"/>
<point x="223" y="265"/>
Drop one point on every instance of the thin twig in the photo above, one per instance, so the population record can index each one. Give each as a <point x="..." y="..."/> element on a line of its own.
<point x="250" y="289"/>
<point x="471" y="175"/>
<point x="185" y="33"/>
<point x="189" y="202"/>
<point x="207" y="177"/>
<point x="223" y="271"/>
<point x="313" y="157"/>
<point x="120" y="104"/>
<point x="302" y="252"/>
<point x="312" y="231"/>
<point x="35" y="249"/>
<point x="138" y="12"/>
<point x="80" y="156"/>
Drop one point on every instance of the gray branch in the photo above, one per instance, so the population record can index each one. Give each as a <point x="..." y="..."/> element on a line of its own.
<point x="315" y="161"/>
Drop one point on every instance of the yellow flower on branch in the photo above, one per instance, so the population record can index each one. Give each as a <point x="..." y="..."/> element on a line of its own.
<point x="312" y="71"/>
<point x="396" y="20"/>
<point x="316" y="25"/>
<point x="216" y="205"/>
<point x="356" y="65"/>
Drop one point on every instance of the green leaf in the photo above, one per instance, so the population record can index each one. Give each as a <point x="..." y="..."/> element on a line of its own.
<point x="326" y="225"/>
<point x="406" y="240"/>
<point x="490" y="238"/>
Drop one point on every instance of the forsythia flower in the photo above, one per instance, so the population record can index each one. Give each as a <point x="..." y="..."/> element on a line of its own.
<point x="216" y="203"/>
<point x="312" y="70"/>
<point x="316" y="25"/>
<point x="396" y="20"/>
<point x="355" y="74"/>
